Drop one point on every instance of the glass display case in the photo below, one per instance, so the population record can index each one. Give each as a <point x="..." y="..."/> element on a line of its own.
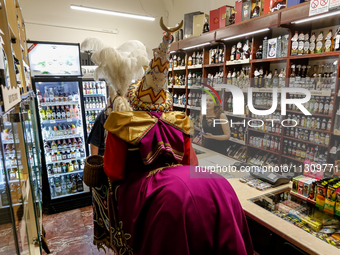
<point x="303" y="214"/>
<point x="20" y="179"/>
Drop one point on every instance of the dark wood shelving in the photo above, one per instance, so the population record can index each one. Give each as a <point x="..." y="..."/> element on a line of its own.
<point x="295" y="159"/>
<point x="302" y="197"/>
<point x="268" y="60"/>
<point x="264" y="132"/>
<point x="214" y="65"/>
<point x="303" y="141"/>
<point x="251" y="146"/>
<point x="316" y="55"/>
<point x="311" y="129"/>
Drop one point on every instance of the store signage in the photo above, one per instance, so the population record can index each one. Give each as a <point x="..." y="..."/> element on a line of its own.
<point x="11" y="97"/>
<point x="318" y="6"/>
<point x="334" y="5"/>
<point x="238" y="100"/>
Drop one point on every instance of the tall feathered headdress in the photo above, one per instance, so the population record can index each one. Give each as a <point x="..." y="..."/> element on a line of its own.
<point x="118" y="66"/>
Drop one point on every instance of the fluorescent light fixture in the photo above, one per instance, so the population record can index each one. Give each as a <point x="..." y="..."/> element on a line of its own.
<point x="195" y="46"/>
<point x="316" y="17"/>
<point x="173" y="51"/>
<point x="250" y="33"/>
<point x="121" y="14"/>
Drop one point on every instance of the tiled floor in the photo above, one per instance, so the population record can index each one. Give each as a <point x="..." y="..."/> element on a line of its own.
<point x="71" y="233"/>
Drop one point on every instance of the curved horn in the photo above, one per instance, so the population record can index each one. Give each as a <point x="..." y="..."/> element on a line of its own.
<point x="170" y="30"/>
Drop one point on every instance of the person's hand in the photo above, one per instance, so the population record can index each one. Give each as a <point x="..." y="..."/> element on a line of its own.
<point x="208" y="135"/>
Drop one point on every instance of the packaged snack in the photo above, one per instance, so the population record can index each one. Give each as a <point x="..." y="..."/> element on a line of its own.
<point x="307" y="186"/>
<point x="321" y="189"/>
<point x="337" y="202"/>
<point x="329" y="206"/>
<point x="312" y="192"/>
<point x="283" y="208"/>
<point x="296" y="183"/>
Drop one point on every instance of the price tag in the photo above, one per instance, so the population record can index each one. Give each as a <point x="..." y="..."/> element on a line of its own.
<point x="69" y="120"/>
<point x="52" y="121"/>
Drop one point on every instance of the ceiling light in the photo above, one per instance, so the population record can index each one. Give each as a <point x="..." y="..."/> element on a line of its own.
<point x="173" y="51"/>
<point x="195" y="46"/>
<point x="121" y="14"/>
<point x="250" y="33"/>
<point x="316" y="17"/>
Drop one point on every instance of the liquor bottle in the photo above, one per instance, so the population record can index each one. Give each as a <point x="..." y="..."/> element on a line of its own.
<point x="74" y="184"/>
<point x="298" y="77"/>
<point x="292" y="78"/>
<point x="221" y="56"/>
<point x="261" y="77"/>
<point x="54" y="114"/>
<point x="275" y="79"/>
<point x="233" y="53"/>
<point x="58" y="187"/>
<point x="336" y="40"/>
<point x="189" y="61"/>
<point x="246" y="50"/>
<point x="306" y="44"/>
<point x="48" y="113"/>
<point x="258" y="54"/>
<point x="295" y="44"/>
<point x="212" y="56"/>
<point x="63" y="186"/>
<point x="52" y="188"/>
<point x="175" y="61"/>
<point x="206" y="26"/>
<point x="232" y="17"/>
<point x="42" y="113"/>
<point x="217" y="55"/>
<point x="319" y="43"/>
<point x="279" y="47"/>
<point x="328" y="44"/>
<point x="80" y="187"/>
<point x="301" y="43"/>
<point x="238" y="51"/>
<point x="284" y="46"/>
<point x="264" y="48"/>
<point x="256" y="11"/>
<point x="282" y="78"/>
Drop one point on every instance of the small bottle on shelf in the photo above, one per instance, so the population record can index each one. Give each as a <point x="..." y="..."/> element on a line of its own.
<point x="258" y="54"/>
<point x="328" y="44"/>
<point x="295" y="44"/>
<point x="301" y="43"/>
<point x="279" y="46"/>
<point x="306" y="44"/>
<point x="233" y="53"/>
<point x="319" y="43"/>
<point x="265" y="48"/>
<point x="336" y="40"/>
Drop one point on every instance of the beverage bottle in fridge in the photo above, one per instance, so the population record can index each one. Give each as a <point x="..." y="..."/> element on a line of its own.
<point x="74" y="184"/>
<point x="67" y="111"/>
<point x="51" y="95"/>
<point x="84" y="88"/>
<point x="58" y="187"/>
<point x="42" y="113"/>
<point x="46" y="96"/>
<point x="63" y="186"/>
<point x="48" y="113"/>
<point x="54" y="114"/>
<point x="68" y="185"/>
<point x="97" y="102"/>
<point x="52" y="188"/>
<point x="58" y="113"/>
<point x="80" y="187"/>
<point x="62" y="112"/>
<point x="70" y="166"/>
<point x="88" y="89"/>
<point x="71" y="111"/>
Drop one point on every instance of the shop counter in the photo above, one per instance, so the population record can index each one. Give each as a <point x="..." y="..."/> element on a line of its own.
<point x="265" y="219"/>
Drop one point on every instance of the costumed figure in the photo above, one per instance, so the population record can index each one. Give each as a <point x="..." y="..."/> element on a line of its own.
<point x="154" y="206"/>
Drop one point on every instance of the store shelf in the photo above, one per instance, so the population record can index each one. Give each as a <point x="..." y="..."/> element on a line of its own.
<point x="268" y="60"/>
<point x="63" y="137"/>
<point x="251" y="146"/>
<point x="67" y="173"/>
<point x="323" y="93"/>
<point x="316" y="55"/>
<point x="10" y="141"/>
<point x="94" y="95"/>
<point x="237" y="62"/>
<point x="303" y="141"/>
<point x="179" y="87"/>
<point x="295" y="159"/>
<point x="65" y="161"/>
<point x="311" y="129"/>
<point x="72" y="194"/>
<point x="235" y="140"/>
<point x="194" y="108"/>
<point x="196" y="87"/>
<point x="232" y="115"/>
<point x="59" y="121"/>
<point x="178" y="105"/>
<point x="263" y="132"/>
<point x="179" y="68"/>
<point x="195" y="67"/>
<point x="94" y="109"/>
<point x="302" y="197"/>
<point x="265" y="90"/>
<point x="313" y="114"/>
<point x="59" y="103"/>
<point x="214" y="65"/>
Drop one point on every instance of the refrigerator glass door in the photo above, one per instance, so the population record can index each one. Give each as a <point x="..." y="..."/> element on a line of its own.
<point x="62" y="132"/>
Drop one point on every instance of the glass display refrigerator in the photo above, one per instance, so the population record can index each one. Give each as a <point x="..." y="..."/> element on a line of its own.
<point x="57" y="82"/>
<point x="20" y="180"/>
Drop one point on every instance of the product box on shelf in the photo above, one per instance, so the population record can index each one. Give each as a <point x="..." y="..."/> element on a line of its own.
<point x="198" y="23"/>
<point x="188" y="23"/>
<point x="273" y="5"/>
<point x="218" y="17"/>
<point x="255" y="12"/>
<point x="272" y="48"/>
<point x="294" y="2"/>
<point x="238" y="11"/>
<point x="246" y="10"/>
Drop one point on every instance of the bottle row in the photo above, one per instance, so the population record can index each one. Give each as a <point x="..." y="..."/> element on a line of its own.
<point x="91" y="115"/>
<point x="238" y="132"/>
<point x="89" y="128"/>
<point x="71" y="166"/>
<point x="306" y="135"/>
<point x="263" y="159"/>
<point x="177" y="61"/>
<point x="56" y="94"/>
<point x="62" y="150"/>
<point x="50" y="132"/>
<point x="66" y="185"/>
<point x="194" y="79"/>
<point x="194" y="99"/>
<point x="59" y="112"/>
<point x="316" y="105"/>
<point x="241" y="51"/>
<point x="267" y="142"/>
<point x="195" y="59"/>
<point x="266" y="127"/>
<point x="322" y="78"/>
<point x="269" y="80"/>
<point x="97" y="102"/>
<point x="301" y="151"/>
<point x="216" y="55"/>
<point x="240" y="78"/>
<point x="236" y="151"/>
<point x="273" y="48"/>
<point x="303" y="44"/>
<point x="309" y="122"/>
<point x="93" y="87"/>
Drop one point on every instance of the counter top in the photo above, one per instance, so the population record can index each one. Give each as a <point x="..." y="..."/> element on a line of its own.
<point x="286" y="230"/>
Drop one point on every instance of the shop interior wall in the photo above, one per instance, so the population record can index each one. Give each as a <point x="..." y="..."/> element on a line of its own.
<point x="177" y="8"/>
<point x="48" y="20"/>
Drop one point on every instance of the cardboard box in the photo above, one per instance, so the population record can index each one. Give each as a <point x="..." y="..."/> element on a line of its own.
<point x="188" y="23"/>
<point x="273" y="5"/>
<point x="198" y="23"/>
<point x="260" y="3"/>
<point x="272" y="48"/>
<point x="227" y="14"/>
<point x="218" y="18"/>
<point x="238" y="11"/>
<point x="246" y="10"/>
<point x="294" y="2"/>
